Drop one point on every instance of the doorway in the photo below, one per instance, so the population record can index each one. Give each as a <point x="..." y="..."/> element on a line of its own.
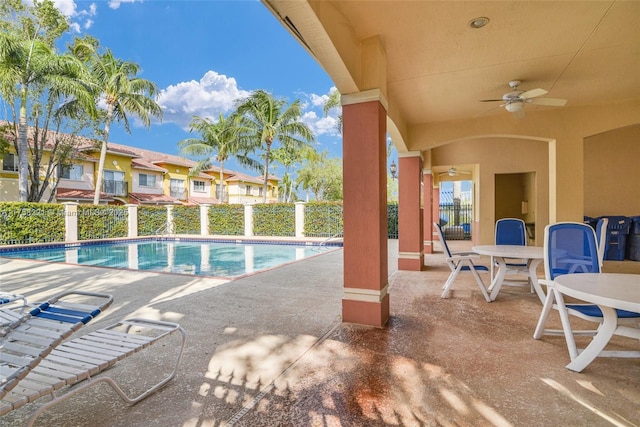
<point x="456" y="209"/>
<point x="515" y="198"/>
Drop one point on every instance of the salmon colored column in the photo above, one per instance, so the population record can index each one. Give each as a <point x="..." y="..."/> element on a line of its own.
<point x="427" y="185"/>
<point x="410" y="231"/>
<point x="365" y="300"/>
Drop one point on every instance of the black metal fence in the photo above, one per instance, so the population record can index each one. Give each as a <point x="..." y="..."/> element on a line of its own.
<point x="455" y="220"/>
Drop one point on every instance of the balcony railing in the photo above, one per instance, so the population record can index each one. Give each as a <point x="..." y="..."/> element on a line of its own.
<point x="115" y="188"/>
<point x="178" y="194"/>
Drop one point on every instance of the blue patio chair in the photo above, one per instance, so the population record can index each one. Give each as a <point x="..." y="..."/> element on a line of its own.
<point x="511" y="231"/>
<point x="460" y="261"/>
<point x="570" y="248"/>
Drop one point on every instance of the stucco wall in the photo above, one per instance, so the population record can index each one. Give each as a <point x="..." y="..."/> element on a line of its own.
<point x="612" y="173"/>
<point x="501" y="156"/>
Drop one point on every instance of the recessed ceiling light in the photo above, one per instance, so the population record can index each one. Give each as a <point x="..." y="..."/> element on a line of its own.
<point x="478" y="22"/>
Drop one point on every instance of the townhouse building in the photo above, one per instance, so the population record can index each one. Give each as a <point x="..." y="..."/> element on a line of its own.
<point x="139" y="176"/>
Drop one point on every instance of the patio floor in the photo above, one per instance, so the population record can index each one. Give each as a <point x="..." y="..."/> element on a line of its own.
<point x="270" y="350"/>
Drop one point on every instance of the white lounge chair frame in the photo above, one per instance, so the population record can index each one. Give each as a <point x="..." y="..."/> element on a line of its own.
<point x="77" y="361"/>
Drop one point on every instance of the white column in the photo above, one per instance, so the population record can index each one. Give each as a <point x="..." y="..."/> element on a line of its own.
<point x="170" y="228"/>
<point x="300" y="218"/>
<point x="204" y="220"/>
<point x="70" y="221"/>
<point x="248" y="220"/>
<point x="133" y="220"/>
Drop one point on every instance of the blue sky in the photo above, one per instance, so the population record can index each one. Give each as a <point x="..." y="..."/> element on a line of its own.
<point x="203" y="55"/>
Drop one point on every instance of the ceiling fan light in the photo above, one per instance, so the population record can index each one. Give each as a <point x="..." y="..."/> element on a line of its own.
<point x="513" y="107"/>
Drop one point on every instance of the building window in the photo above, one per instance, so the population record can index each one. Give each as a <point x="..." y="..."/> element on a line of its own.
<point x="248" y="190"/>
<point x="72" y="172"/>
<point x="198" y="186"/>
<point x="219" y="191"/>
<point x="10" y="162"/>
<point x="147" y="180"/>
<point x="176" y="189"/>
<point x="114" y="183"/>
<point x="260" y="191"/>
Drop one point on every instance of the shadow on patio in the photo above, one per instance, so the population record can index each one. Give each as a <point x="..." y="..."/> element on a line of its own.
<point x="269" y="350"/>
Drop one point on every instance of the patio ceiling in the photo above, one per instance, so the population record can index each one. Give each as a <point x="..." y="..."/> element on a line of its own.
<point x="438" y="68"/>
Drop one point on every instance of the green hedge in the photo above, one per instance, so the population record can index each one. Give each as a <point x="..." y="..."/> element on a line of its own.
<point x="227" y="220"/>
<point x="102" y="222"/>
<point x="152" y="220"/>
<point x="186" y="219"/>
<point x="31" y="223"/>
<point x="392" y="220"/>
<point x="323" y="219"/>
<point x="278" y="219"/>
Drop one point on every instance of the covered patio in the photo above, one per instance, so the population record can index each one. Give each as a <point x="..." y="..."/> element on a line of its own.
<point x="271" y="350"/>
<point x="543" y="90"/>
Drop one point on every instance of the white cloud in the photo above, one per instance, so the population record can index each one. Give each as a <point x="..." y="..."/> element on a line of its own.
<point x="115" y="4"/>
<point x="66" y="7"/>
<point x="314" y="117"/>
<point x="320" y="125"/>
<point x="319" y="100"/>
<point x="213" y="94"/>
<point x="78" y="19"/>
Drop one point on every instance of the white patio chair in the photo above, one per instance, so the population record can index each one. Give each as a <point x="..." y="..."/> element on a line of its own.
<point x="570" y="248"/>
<point x="460" y="261"/>
<point x="601" y="235"/>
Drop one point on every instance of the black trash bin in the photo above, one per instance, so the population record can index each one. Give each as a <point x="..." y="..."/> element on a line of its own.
<point x="616" y="243"/>
<point x="633" y="239"/>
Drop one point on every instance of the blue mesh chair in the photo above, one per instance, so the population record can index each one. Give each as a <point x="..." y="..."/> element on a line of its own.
<point x="511" y="231"/>
<point x="460" y="261"/>
<point x="571" y="248"/>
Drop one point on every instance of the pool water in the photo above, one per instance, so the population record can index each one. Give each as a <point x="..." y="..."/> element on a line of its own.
<point x="226" y="259"/>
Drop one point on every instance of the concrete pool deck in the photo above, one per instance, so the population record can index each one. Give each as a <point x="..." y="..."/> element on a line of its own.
<point x="269" y="350"/>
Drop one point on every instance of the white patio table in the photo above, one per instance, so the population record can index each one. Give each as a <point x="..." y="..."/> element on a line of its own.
<point x="533" y="255"/>
<point x="609" y="291"/>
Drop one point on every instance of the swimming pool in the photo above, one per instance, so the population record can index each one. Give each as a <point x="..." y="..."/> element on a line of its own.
<point x="198" y="257"/>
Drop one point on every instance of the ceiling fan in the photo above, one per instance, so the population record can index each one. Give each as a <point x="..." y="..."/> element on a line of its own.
<point x="514" y="101"/>
<point x="454" y="172"/>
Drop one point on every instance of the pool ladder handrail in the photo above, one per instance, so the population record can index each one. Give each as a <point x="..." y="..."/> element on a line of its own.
<point x="328" y="239"/>
<point x="162" y="231"/>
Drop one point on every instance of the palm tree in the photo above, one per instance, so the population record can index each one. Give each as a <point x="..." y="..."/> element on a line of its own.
<point x="265" y="120"/>
<point x="118" y="87"/>
<point x="334" y="101"/>
<point x="219" y="137"/>
<point x="31" y="66"/>
<point x="322" y="176"/>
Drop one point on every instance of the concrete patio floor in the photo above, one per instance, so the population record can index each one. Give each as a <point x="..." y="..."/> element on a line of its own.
<point x="269" y="350"/>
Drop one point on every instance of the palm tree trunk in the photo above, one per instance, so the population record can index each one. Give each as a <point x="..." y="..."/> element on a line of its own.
<point x="23" y="148"/>
<point x="266" y="172"/>
<point x="220" y="195"/>
<point x="103" y="155"/>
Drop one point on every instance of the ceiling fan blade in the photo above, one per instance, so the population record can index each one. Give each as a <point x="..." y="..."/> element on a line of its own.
<point x="553" y="102"/>
<point x="533" y="93"/>
<point x="491" y="100"/>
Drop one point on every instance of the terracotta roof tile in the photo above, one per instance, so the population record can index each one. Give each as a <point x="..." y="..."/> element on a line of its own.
<point x="75" y="194"/>
<point x="152" y="199"/>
